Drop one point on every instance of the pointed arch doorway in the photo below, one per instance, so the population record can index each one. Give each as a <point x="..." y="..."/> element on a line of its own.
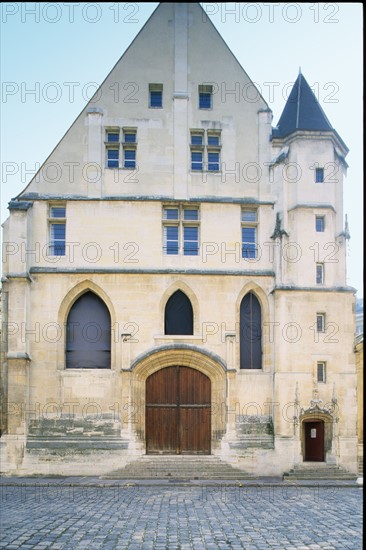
<point x="178" y="411"/>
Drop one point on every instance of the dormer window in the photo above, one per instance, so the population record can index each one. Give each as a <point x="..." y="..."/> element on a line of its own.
<point x="121" y="144"/>
<point x="155" y="96"/>
<point x="205" y="96"/>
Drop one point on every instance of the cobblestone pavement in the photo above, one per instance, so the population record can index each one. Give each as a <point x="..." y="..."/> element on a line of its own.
<point x="127" y="516"/>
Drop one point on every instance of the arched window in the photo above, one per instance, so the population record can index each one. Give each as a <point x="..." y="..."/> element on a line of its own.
<point x="88" y="335"/>
<point x="178" y="314"/>
<point x="250" y="333"/>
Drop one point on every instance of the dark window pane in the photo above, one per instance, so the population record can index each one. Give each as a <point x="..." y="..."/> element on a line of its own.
<point x="319" y="224"/>
<point x="248" y="234"/>
<point x="190" y="248"/>
<point x="88" y="335"/>
<point x="172" y="233"/>
<point x="58" y="212"/>
<point x="249" y="246"/>
<point x="178" y="314"/>
<point x="171" y="214"/>
<point x="190" y="241"/>
<point x="130" y="158"/>
<point x="171" y="243"/>
<point x="213" y="162"/>
<point x="205" y="100"/>
<point x="113" y="158"/>
<point x="320" y="323"/>
<point x="156" y="99"/>
<point x="249" y="215"/>
<point x="191" y="233"/>
<point x="58" y="230"/>
<point x="319" y="274"/>
<point x="130" y="137"/>
<point x="58" y="248"/>
<point x="171" y="248"/>
<point x="249" y="251"/>
<point x="319" y="175"/>
<point x="197" y="139"/>
<point x="190" y="214"/>
<point x="213" y="140"/>
<point x="321" y="372"/>
<point x="112" y="137"/>
<point x="250" y="333"/>
<point x="196" y="157"/>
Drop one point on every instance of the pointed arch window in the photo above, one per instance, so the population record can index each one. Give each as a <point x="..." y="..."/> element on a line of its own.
<point x="178" y="314"/>
<point x="250" y="333"/>
<point x="88" y="334"/>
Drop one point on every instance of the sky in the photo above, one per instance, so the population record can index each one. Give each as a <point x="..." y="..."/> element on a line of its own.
<point x="54" y="55"/>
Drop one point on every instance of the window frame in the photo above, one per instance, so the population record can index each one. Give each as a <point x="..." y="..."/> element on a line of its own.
<point x="52" y="222"/>
<point x="205" y="91"/>
<point x="155" y="88"/>
<point x="181" y="223"/>
<point x="126" y="160"/>
<point x="319" y="270"/>
<point x="120" y="146"/>
<point x="249" y="224"/>
<point x="204" y="149"/>
<point x="321" y="220"/>
<point x="323" y="378"/>
<point x="253" y="339"/>
<point x="319" y="175"/>
<point x="320" y="322"/>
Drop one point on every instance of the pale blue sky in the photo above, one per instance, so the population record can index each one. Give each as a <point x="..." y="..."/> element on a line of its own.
<point x="80" y="43"/>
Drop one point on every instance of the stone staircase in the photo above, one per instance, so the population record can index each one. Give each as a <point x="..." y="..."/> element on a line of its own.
<point x="360" y="466"/>
<point x="315" y="471"/>
<point x="179" y="467"/>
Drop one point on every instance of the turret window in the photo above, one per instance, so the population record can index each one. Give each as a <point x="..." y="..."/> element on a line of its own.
<point x="320" y="322"/>
<point x="319" y="274"/>
<point x="319" y="224"/>
<point x="319" y="175"/>
<point x="205" y="96"/>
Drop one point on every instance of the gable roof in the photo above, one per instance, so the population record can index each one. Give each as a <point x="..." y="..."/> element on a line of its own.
<point x="302" y="112"/>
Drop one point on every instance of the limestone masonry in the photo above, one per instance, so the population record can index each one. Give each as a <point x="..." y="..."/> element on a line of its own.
<point x="175" y="274"/>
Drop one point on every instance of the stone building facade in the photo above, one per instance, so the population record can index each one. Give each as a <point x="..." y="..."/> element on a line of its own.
<point x="175" y="274"/>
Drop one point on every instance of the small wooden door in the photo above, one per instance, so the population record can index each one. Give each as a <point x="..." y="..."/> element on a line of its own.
<point x="178" y="412"/>
<point x="314" y="441"/>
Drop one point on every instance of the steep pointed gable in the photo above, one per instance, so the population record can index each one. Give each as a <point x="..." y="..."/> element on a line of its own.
<point x="302" y="112"/>
<point x="178" y="49"/>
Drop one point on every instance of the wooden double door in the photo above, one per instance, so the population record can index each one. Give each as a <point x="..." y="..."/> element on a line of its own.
<point x="178" y="412"/>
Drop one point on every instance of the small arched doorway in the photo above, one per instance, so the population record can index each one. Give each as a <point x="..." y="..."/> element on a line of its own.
<point x="313" y="440"/>
<point x="178" y="411"/>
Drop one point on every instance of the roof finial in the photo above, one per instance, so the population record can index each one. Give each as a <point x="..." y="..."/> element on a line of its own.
<point x="299" y="70"/>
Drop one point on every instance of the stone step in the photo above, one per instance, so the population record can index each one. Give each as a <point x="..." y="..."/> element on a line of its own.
<point x="178" y="467"/>
<point x="323" y="471"/>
